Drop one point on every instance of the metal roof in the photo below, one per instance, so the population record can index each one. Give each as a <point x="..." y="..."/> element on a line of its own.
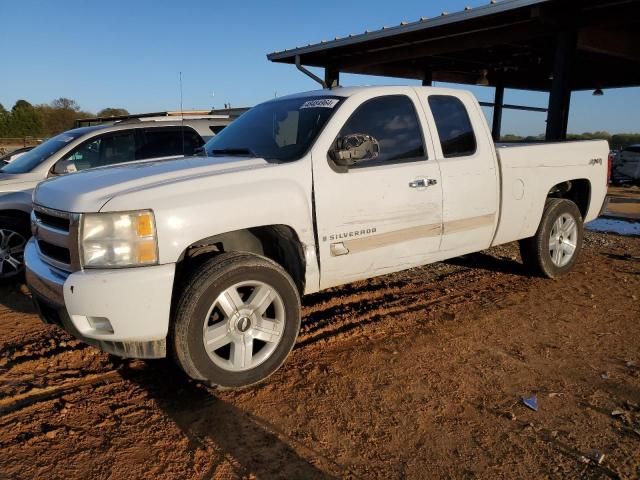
<point x="406" y="27"/>
<point x="514" y="41"/>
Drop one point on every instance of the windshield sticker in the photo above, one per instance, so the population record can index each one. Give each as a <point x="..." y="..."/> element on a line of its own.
<point x="321" y="103"/>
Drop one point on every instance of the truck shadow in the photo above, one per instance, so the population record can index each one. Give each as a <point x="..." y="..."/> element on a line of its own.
<point x="488" y="262"/>
<point x="232" y="438"/>
<point x="13" y="296"/>
<point x="363" y="287"/>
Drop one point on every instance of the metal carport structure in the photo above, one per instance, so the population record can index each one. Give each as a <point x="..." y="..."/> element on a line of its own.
<point x="556" y="46"/>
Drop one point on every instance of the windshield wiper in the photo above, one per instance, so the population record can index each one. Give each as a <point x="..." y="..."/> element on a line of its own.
<point x="241" y="152"/>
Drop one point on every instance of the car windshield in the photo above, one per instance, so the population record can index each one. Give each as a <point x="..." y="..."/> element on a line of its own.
<point x="278" y="131"/>
<point x="30" y="160"/>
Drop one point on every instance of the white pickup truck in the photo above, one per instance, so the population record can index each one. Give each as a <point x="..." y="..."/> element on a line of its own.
<point x="205" y="258"/>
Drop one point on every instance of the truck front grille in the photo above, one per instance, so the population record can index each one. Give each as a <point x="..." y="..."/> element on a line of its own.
<point x="59" y="254"/>
<point x="60" y="223"/>
<point x="56" y="233"/>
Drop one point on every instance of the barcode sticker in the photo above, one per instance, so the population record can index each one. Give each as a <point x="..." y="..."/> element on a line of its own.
<point x="320" y="103"/>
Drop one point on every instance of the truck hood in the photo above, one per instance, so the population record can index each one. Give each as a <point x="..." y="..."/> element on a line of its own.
<point x="90" y="190"/>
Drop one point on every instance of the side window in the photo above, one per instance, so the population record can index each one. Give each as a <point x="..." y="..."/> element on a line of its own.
<point x="118" y="148"/>
<point x="454" y="127"/>
<point x="192" y="141"/>
<point x="168" y="142"/>
<point x="216" y="129"/>
<point x="104" y="150"/>
<point x="85" y="156"/>
<point x="391" y="120"/>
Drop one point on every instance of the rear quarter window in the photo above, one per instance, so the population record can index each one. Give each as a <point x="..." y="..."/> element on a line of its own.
<point x="457" y="138"/>
<point x="168" y="141"/>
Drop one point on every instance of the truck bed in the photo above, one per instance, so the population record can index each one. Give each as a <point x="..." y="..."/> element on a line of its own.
<point x="524" y="189"/>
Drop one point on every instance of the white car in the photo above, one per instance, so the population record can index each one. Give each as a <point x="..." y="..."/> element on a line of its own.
<point x="207" y="257"/>
<point x="13" y="155"/>
<point x="83" y="148"/>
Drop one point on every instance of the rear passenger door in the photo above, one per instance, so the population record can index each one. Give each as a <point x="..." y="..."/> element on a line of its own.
<point x="466" y="156"/>
<point x="158" y="142"/>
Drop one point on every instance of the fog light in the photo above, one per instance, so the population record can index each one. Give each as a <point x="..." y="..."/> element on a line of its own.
<point x="100" y="324"/>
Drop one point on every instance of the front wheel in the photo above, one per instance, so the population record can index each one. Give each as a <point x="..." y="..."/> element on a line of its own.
<point x="555" y="247"/>
<point x="236" y="320"/>
<point x="13" y="238"/>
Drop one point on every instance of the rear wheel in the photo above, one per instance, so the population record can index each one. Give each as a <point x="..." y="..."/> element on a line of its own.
<point x="236" y="320"/>
<point x="13" y="238"/>
<point x="555" y="247"/>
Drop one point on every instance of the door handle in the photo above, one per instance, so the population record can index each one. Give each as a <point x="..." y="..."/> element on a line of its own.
<point x="422" y="182"/>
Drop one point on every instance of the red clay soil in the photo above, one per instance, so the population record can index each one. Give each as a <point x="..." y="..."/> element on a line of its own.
<point x="412" y="375"/>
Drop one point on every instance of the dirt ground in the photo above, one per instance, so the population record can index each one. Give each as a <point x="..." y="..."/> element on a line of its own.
<point x="628" y="191"/>
<point x="623" y="202"/>
<point x="412" y="375"/>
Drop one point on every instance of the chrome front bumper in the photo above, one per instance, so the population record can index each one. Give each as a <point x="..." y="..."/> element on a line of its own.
<point x="44" y="280"/>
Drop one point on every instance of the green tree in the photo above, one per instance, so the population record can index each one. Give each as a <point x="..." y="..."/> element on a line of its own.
<point x="60" y="115"/>
<point x="4" y="122"/>
<point x="21" y="105"/>
<point x="112" y="112"/>
<point x="511" y="137"/>
<point x="63" y="103"/>
<point x="590" y="136"/>
<point x="621" y="140"/>
<point x="24" y="120"/>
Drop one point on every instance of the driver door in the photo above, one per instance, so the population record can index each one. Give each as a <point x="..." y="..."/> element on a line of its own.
<point x="385" y="214"/>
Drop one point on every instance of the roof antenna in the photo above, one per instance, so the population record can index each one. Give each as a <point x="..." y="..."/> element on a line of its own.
<point x="181" y="115"/>
<point x="309" y="73"/>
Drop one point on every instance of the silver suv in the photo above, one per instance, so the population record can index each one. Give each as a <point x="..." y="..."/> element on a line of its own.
<point x="83" y="148"/>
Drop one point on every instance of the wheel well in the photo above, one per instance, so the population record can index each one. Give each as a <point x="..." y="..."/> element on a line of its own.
<point x="18" y="214"/>
<point x="578" y="191"/>
<point x="279" y="243"/>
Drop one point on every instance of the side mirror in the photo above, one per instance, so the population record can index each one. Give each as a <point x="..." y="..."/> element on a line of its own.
<point x="354" y="148"/>
<point x="64" y="166"/>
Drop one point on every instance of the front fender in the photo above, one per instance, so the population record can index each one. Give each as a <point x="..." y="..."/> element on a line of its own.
<point x="199" y="208"/>
<point x="19" y="200"/>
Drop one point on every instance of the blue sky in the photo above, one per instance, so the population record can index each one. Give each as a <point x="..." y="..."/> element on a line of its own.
<point x="120" y="53"/>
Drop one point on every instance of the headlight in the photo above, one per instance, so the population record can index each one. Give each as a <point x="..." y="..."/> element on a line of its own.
<point x="121" y="239"/>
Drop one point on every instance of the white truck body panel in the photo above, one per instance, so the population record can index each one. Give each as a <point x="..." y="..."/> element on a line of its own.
<point x="398" y="227"/>
<point x="350" y="225"/>
<point x="530" y="171"/>
<point x="470" y="185"/>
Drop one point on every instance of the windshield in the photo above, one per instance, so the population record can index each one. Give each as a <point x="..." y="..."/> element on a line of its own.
<point x="30" y="160"/>
<point x="280" y="130"/>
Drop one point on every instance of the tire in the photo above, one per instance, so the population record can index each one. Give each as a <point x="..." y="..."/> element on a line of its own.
<point x="538" y="252"/>
<point x="14" y="234"/>
<point x="233" y="323"/>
